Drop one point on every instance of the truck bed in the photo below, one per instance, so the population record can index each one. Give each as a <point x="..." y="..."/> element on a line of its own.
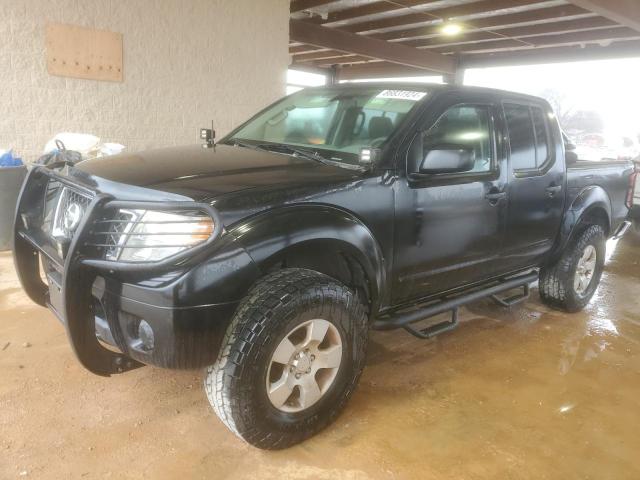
<point x="611" y="175"/>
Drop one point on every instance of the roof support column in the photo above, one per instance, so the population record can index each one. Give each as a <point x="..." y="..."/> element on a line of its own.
<point x="333" y="77"/>
<point x="455" y="78"/>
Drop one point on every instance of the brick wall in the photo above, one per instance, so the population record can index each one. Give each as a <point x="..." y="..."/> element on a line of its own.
<point x="185" y="63"/>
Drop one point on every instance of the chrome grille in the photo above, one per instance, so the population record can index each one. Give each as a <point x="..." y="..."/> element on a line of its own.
<point x="70" y="208"/>
<point x="51" y="197"/>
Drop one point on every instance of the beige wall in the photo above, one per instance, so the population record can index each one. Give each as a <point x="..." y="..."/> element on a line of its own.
<point x="185" y="63"/>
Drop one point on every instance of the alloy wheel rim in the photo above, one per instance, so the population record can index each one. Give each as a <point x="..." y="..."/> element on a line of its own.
<point x="304" y="365"/>
<point x="585" y="270"/>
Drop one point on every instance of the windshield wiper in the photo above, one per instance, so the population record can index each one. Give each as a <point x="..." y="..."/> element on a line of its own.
<point x="282" y="148"/>
<point x="253" y="146"/>
<point x="297" y="151"/>
<point x="310" y="155"/>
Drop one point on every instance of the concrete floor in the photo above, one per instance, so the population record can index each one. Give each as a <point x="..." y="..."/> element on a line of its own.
<point x="520" y="393"/>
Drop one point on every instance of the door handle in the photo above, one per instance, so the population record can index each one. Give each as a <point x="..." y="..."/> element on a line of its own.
<point x="553" y="189"/>
<point x="495" y="196"/>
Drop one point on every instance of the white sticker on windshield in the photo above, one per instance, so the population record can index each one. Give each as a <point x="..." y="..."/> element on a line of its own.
<point x="402" y="95"/>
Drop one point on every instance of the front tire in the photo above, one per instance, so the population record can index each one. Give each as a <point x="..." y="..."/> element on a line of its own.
<point x="571" y="282"/>
<point x="290" y="359"/>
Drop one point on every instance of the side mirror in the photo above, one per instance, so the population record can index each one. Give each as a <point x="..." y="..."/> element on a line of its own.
<point x="448" y="159"/>
<point x="570" y="157"/>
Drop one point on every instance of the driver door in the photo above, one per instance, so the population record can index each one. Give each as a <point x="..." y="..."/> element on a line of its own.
<point x="449" y="227"/>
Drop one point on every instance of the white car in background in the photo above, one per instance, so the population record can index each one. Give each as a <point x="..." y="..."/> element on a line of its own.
<point x="595" y="147"/>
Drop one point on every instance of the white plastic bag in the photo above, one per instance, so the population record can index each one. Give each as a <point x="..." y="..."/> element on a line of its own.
<point x="110" y="149"/>
<point x="79" y="142"/>
<point x="89" y="146"/>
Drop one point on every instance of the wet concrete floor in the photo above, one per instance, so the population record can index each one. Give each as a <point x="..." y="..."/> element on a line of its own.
<point x="521" y="393"/>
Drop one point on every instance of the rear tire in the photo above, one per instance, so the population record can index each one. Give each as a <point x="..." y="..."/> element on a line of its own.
<point x="571" y="282"/>
<point x="281" y="310"/>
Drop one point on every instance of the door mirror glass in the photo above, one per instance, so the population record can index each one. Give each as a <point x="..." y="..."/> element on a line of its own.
<point x="448" y="159"/>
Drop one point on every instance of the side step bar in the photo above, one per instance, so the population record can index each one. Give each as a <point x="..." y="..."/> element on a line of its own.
<point x="622" y="229"/>
<point x="404" y="320"/>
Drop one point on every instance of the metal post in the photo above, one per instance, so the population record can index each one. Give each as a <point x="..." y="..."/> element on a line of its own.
<point x="455" y="78"/>
<point x="333" y="78"/>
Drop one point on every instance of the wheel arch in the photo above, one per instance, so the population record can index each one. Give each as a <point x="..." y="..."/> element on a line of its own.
<point x="592" y="206"/>
<point x="321" y="238"/>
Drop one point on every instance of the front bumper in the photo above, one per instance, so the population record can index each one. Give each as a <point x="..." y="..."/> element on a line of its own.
<point x="181" y="337"/>
<point x="88" y="294"/>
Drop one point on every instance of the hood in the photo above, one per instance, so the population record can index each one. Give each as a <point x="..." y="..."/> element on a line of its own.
<point x="205" y="174"/>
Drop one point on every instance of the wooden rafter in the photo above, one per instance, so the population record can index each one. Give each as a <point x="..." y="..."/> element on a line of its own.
<point x="474" y="8"/>
<point x="299" y="5"/>
<point x="372" y="8"/>
<point x="404" y="37"/>
<point x="529" y="34"/>
<point x="551" y="14"/>
<point x="339" y="40"/>
<point x="602" y="36"/>
<point x="623" y="49"/>
<point x="624" y="12"/>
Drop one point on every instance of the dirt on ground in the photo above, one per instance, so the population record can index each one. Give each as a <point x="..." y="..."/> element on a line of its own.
<point x="519" y="393"/>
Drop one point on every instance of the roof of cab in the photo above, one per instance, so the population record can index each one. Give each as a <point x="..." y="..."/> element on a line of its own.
<point x="434" y="87"/>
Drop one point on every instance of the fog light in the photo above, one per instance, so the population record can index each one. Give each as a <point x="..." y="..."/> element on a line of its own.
<point x="145" y="333"/>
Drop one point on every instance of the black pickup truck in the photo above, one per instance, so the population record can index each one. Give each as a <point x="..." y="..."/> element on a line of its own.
<point x="268" y="257"/>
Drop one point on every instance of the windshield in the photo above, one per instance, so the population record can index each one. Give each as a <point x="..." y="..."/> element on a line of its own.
<point x="334" y="122"/>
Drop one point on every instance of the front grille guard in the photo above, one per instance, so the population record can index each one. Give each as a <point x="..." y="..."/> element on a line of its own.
<point x="80" y="271"/>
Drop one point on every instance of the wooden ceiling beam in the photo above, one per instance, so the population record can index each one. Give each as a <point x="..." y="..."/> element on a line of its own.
<point x="378" y="70"/>
<point x="483" y="6"/>
<point x="335" y="39"/>
<point x="579" y="38"/>
<point x="342" y="60"/>
<point x="373" y="8"/>
<point x="494" y="21"/>
<point x="622" y="49"/>
<point x="300" y="5"/>
<point x="298" y="49"/>
<point x="310" y="57"/>
<point x="529" y="32"/>
<point x="624" y="12"/>
<point x="552" y="14"/>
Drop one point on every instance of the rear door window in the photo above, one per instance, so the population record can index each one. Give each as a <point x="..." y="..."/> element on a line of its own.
<point x="521" y="137"/>
<point x="542" y="136"/>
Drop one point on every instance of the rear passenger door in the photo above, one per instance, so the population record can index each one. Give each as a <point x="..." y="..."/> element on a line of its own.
<point x="537" y="182"/>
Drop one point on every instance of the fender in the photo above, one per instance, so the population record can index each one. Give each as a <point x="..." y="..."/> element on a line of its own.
<point x="321" y="230"/>
<point x="592" y="200"/>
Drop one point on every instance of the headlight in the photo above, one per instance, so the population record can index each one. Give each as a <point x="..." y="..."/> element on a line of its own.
<point x="149" y="235"/>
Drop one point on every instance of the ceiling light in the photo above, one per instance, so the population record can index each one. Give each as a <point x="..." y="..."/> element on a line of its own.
<point x="451" y="29"/>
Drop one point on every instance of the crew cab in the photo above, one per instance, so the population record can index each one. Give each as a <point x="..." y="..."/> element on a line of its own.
<point x="267" y="258"/>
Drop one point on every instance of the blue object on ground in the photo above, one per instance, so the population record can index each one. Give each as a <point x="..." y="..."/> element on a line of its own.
<point x="11" y="178"/>
<point x="7" y="159"/>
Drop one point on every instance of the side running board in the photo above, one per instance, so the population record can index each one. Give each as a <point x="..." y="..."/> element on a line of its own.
<point x="513" y="300"/>
<point x="405" y="319"/>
